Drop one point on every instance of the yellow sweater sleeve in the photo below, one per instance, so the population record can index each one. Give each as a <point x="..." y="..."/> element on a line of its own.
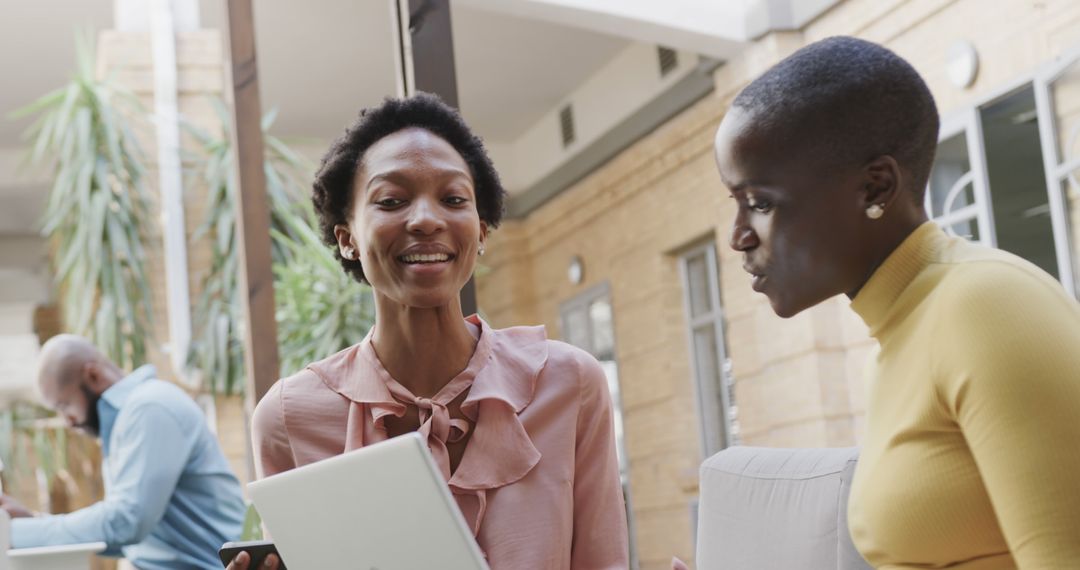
<point x="1010" y="359"/>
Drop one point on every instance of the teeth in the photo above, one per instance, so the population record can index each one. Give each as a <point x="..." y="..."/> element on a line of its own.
<point x="425" y="258"/>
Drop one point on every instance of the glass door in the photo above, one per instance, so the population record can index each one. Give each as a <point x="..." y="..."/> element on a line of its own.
<point x="1057" y="99"/>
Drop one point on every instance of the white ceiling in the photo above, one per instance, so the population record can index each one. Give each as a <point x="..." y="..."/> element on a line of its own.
<point x="319" y="67"/>
<point x="511" y="70"/>
<point x="319" y="63"/>
<point x="323" y="60"/>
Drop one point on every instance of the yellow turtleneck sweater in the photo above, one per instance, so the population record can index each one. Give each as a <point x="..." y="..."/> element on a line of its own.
<point x="972" y="453"/>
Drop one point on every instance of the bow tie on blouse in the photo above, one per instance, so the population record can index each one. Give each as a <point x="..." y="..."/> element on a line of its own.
<point x="500" y="379"/>
<point x="436" y="425"/>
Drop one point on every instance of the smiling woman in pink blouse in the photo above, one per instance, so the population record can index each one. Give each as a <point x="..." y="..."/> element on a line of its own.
<point x="520" y="425"/>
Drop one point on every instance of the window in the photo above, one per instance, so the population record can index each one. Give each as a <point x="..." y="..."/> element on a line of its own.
<point x="1057" y="91"/>
<point x="708" y="350"/>
<point x="988" y="182"/>
<point x="587" y="324"/>
<point x="957" y="191"/>
<point x="1006" y="169"/>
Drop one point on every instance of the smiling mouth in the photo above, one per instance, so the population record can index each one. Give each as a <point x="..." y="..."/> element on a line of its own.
<point x="424" y="258"/>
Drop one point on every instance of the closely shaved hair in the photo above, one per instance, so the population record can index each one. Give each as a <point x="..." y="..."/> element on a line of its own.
<point x="63" y="358"/>
<point x="847" y="100"/>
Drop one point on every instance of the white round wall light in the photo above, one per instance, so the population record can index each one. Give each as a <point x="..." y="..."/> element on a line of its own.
<point x="576" y="270"/>
<point x="962" y="63"/>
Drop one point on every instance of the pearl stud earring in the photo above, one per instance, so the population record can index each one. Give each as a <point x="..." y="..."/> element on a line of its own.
<point x="350" y="253"/>
<point x="875" y="211"/>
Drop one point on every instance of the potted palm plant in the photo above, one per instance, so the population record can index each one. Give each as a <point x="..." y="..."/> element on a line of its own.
<point x="96" y="210"/>
<point x="319" y="309"/>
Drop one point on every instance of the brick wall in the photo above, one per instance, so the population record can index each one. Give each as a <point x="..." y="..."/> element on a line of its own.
<point x="798" y="381"/>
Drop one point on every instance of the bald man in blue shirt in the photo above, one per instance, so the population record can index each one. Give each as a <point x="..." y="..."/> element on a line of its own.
<point x="170" y="497"/>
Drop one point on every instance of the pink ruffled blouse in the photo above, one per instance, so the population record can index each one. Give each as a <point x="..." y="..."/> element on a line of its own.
<point x="539" y="479"/>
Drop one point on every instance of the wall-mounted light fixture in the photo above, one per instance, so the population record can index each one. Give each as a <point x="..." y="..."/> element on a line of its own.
<point x="575" y="272"/>
<point x="962" y="63"/>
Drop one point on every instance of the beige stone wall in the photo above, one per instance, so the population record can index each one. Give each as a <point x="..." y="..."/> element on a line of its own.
<point x="624" y="221"/>
<point x="798" y="381"/>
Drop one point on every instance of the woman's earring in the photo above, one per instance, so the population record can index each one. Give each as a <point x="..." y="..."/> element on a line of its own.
<point x="481" y="251"/>
<point x="875" y="211"/>
<point x="350" y="253"/>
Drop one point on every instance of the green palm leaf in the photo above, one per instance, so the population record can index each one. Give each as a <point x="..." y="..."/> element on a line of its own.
<point x="94" y="210"/>
<point x="306" y="275"/>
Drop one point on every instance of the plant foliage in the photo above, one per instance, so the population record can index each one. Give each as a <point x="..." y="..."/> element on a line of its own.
<point x="96" y="207"/>
<point x="319" y="309"/>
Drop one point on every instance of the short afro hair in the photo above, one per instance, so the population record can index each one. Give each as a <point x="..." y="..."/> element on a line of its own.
<point x="332" y="190"/>
<point x="853" y="100"/>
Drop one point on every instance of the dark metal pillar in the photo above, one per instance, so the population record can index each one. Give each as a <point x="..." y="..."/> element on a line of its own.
<point x="253" y="219"/>
<point x="426" y="63"/>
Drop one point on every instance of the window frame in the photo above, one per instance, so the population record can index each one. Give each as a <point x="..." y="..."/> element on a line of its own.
<point x="715" y="416"/>
<point x="1041" y="79"/>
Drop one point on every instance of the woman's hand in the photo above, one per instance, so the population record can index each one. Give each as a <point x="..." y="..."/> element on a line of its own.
<point x="243" y="559"/>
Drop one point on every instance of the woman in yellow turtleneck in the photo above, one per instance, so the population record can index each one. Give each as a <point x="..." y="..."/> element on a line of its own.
<point x="972" y="453"/>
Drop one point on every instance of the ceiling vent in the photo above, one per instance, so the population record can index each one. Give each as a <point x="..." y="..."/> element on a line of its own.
<point x="669" y="59"/>
<point x="566" y="125"/>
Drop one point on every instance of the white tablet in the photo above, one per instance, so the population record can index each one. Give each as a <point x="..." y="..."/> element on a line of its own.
<point x="381" y="507"/>
<point x="65" y="557"/>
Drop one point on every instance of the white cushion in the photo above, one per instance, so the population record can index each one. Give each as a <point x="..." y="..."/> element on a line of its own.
<point x="766" y="508"/>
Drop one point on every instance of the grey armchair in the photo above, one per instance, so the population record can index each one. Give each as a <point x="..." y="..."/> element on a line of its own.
<point x="782" y="509"/>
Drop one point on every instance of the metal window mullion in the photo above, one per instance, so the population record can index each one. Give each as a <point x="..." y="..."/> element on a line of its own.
<point x="402" y="48"/>
<point x="1063" y="169"/>
<point x="951" y="126"/>
<point x="966" y="214"/>
<point x="718" y="338"/>
<point x="981" y="181"/>
<point x="1059" y="218"/>
<point x="707" y="318"/>
<point x="684" y="274"/>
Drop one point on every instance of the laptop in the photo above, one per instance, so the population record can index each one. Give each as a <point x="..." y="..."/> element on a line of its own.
<point x="63" y="557"/>
<point x="381" y="507"/>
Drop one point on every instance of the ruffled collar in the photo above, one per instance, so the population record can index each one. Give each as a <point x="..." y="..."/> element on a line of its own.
<point x="501" y="379"/>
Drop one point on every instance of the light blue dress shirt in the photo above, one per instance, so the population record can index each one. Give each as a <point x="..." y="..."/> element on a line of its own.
<point x="171" y="499"/>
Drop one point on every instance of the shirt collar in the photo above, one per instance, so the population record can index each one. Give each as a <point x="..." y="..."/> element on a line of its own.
<point x="504" y="369"/>
<point x="113" y="398"/>
<point x="876" y="300"/>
